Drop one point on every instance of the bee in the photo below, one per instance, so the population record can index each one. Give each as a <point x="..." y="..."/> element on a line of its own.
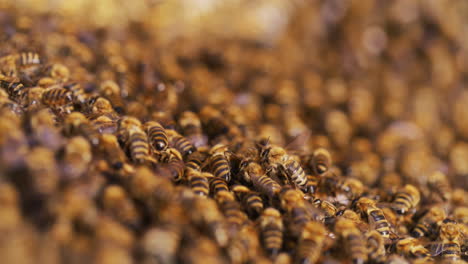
<point x="406" y="199"/>
<point x="217" y="185"/>
<point x="105" y="125"/>
<point x="311" y="242"/>
<point x="135" y="139"/>
<point x="164" y="118"/>
<point x="98" y="106"/>
<point x="250" y="200"/>
<point x="244" y="247"/>
<point x="179" y="142"/>
<point x="376" y="247"/>
<point x="333" y="182"/>
<point x="77" y="157"/>
<point x="271" y="231"/>
<point x="44" y="129"/>
<point x="56" y="97"/>
<point x="147" y="187"/>
<point x="235" y="217"/>
<point x="195" y="160"/>
<point x="375" y="216"/>
<point x="439" y="184"/>
<point x="110" y="149"/>
<point x="14" y="88"/>
<point x="117" y="203"/>
<point x="157" y="135"/>
<point x="79" y="97"/>
<point x="29" y="65"/>
<point x="219" y="162"/>
<point x="411" y="247"/>
<point x="321" y="161"/>
<point x="31" y="98"/>
<point x="111" y="91"/>
<point x="213" y="122"/>
<point x="326" y="206"/>
<point x="449" y="241"/>
<point x="254" y="173"/>
<point x="293" y="171"/>
<point x="172" y="164"/>
<point x="427" y="224"/>
<point x="43" y="170"/>
<point x="154" y="251"/>
<point x="59" y="72"/>
<point x="192" y="129"/>
<point x="460" y="215"/>
<point x="77" y="124"/>
<point x="198" y="182"/>
<point x="354" y="240"/>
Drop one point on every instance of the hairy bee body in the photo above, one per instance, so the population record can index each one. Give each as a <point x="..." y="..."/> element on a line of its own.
<point x="353" y="238"/>
<point x="217" y="185"/>
<point x="251" y="201"/>
<point x="313" y="182"/>
<point x="179" y="142"/>
<point x="137" y="145"/>
<point x="450" y="244"/>
<point x="426" y="225"/>
<point x="411" y="247"/>
<point x="271" y="230"/>
<point x="311" y="243"/>
<point x="295" y="173"/>
<point x="220" y="166"/>
<point x="406" y="199"/>
<point x="157" y="135"/>
<point x="231" y="209"/>
<point x="198" y="182"/>
<point x="14" y="89"/>
<point x="375" y="215"/>
<point x="254" y="173"/>
<point x="56" y="97"/>
<point x="321" y="161"/>
<point x="195" y="161"/>
<point x="376" y="247"/>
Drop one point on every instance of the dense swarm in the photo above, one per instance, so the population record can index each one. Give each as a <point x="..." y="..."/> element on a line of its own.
<point x="343" y="142"/>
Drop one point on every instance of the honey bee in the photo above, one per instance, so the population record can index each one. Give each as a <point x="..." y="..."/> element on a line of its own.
<point x="271" y="231"/>
<point x="198" y="182"/>
<point x="219" y="162"/>
<point x="192" y="129"/>
<point x="77" y="157"/>
<point x="136" y="141"/>
<point x="217" y="185"/>
<point x="375" y="216"/>
<point x="406" y="199"/>
<point x="164" y="118"/>
<point x="195" y="160"/>
<point x="172" y="164"/>
<point x="293" y="171"/>
<point x="254" y="173"/>
<point x="321" y="161"/>
<point x="111" y="91"/>
<point x="56" y="97"/>
<point x="98" y="106"/>
<point x="109" y="147"/>
<point x="29" y="65"/>
<point x="157" y="135"/>
<point x="376" y="247"/>
<point x="354" y="240"/>
<point x="439" y="184"/>
<point x="250" y="200"/>
<point x="235" y="217"/>
<point x="333" y="182"/>
<point x="426" y="225"/>
<point x="14" y="88"/>
<point x="244" y="247"/>
<point x="156" y="252"/>
<point x="59" y="72"/>
<point x="213" y="122"/>
<point x="313" y="182"/>
<point x="117" y="203"/>
<point x="311" y="242"/>
<point x="411" y="247"/>
<point x="202" y="249"/>
<point x="179" y="142"/>
<point x="449" y="247"/>
<point x="147" y="187"/>
<point x="326" y="206"/>
<point x="105" y="125"/>
<point x="77" y="124"/>
<point x="79" y="97"/>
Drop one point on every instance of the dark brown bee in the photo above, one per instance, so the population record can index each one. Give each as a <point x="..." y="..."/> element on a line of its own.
<point x="406" y="199"/>
<point x="251" y="201"/>
<point x="56" y="97"/>
<point x="217" y="185"/>
<point x="321" y="161"/>
<point x="79" y="97"/>
<point x="157" y="135"/>
<point x="174" y="168"/>
<point x="14" y="89"/>
<point x="219" y="162"/>
<point x="198" y="182"/>
<point x="180" y="143"/>
<point x="313" y="182"/>
<point x="354" y="240"/>
<point x="271" y="230"/>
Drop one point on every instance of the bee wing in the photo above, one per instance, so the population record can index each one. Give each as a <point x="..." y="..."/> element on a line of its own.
<point x="299" y="143"/>
<point x="435" y="248"/>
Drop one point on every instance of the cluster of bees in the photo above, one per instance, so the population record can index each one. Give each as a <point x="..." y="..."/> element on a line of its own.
<point x="115" y="148"/>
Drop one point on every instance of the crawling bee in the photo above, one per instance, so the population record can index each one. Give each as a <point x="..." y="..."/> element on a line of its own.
<point x="321" y="161"/>
<point x="111" y="91"/>
<point x="376" y="247"/>
<point x="375" y="216"/>
<point x="249" y="199"/>
<point x="217" y="185"/>
<point x="439" y="184"/>
<point x="411" y="247"/>
<point x="406" y="199"/>
<point x="219" y="162"/>
<point x="135" y="139"/>
<point x="353" y="238"/>
<point x="192" y="129"/>
<point x="77" y="124"/>
<point x="449" y="244"/>
<point x="117" y="203"/>
<point x="427" y="224"/>
<point x="311" y="243"/>
<point x="110" y="149"/>
<point x="56" y="97"/>
<point x="198" y="182"/>
<point x="326" y="206"/>
<point x="235" y="217"/>
<point x="179" y="142"/>
<point x="157" y="135"/>
<point x="254" y="173"/>
<point x="14" y="88"/>
<point x="271" y="231"/>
